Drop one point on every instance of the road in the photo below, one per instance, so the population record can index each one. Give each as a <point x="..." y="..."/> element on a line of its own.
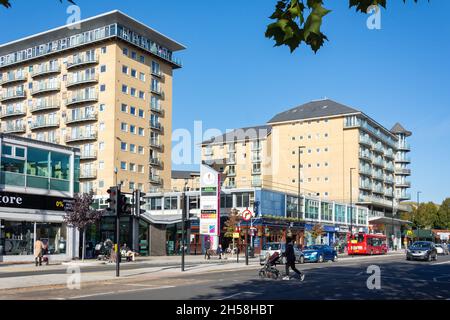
<point x="345" y="279"/>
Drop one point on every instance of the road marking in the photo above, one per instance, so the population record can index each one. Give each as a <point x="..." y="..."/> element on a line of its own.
<point x="114" y="292"/>
<point x="445" y="262"/>
<point x="237" y="294"/>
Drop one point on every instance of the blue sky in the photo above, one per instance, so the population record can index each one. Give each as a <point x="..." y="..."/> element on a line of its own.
<point x="233" y="77"/>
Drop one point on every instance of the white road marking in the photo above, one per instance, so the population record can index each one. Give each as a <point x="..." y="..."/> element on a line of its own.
<point x="237" y="294"/>
<point x="438" y="263"/>
<point x="114" y="292"/>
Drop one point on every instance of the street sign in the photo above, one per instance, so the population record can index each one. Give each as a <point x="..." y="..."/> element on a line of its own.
<point x="236" y="235"/>
<point x="247" y="215"/>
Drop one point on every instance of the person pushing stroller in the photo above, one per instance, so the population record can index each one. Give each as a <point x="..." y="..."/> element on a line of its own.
<point x="290" y="260"/>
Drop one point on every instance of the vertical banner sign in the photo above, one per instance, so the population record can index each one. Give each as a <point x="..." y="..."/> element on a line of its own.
<point x="210" y="203"/>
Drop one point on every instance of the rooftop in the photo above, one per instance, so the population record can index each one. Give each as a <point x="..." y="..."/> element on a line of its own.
<point x="248" y="133"/>
<point x="398" y="128"/>
<point x="179" y="174"/>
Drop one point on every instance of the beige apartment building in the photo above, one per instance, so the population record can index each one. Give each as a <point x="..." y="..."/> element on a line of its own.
<point x="104" y="86"/>
<point x="342" y="151"/>
<point x="185" y="180"/>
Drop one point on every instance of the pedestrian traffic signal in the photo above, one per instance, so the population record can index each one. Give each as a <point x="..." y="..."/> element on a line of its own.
<point x="124" y="206"/>
<point x="113" y="201"/>
<point x="138" y="203"/>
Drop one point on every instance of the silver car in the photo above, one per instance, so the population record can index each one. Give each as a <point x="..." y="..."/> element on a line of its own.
<point x="441" y="249"/>
<point x="271" y="247"/>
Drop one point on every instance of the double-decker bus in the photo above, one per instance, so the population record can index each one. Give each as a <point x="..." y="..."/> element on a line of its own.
<point x="363" y="243"/>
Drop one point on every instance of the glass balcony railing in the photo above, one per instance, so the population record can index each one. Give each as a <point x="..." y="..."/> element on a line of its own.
<point x="45" y="69"/>
<point x="363" y="124"/>
<point x="377" y="175"/>
<point x="365" y="140"/>
<point x="47" y="105"/>
<point x="231" y="160"/>
<point x="389" y="154"/>
<point x="82" y="98"/>
<point x="13" y="112"/>
<point x="366" y="156"/>
<point x="79" y="79"/>
<point x="365" y="170"/>
<point x="45" y="87"/>
<point x="88" y="174"/>
<point x="15" y="128"/>
<point x="403" y="184"/>
<point x="378" y="147"/>
<point x="256" y="183"/>
<point x="156" y="126"/>
<point x="403" y="171"/>
<point x="156" y="90"/>
<point x="81" y="118"/>
<point x="157" y="108"/>
<point x="156" y="162"/>
<point x="155" y="144"/>
<point x="404" y="196"/>
<point x="403" y="145"/>
<point x="11" y="95"/>
<point x="155" y="179"/>
<point x="365" y="186"/>
<point x="13" y="77"/>
<point x="82" y="61"/>
<point x="81" y="136"/>
<point x="378" y="161"/>
<point x="88" y="155"/>
<point x="45" y="123"/>
<point x="404" y="159"/>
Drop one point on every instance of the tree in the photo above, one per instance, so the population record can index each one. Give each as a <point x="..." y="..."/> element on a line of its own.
<point x="443" y="215"/>
<point x="298" y="21"/>
<point x="231" y="224"/>
<point x="7" y="3"/>
<point x="425" y="215"/>
<point x="317" y="231"/>
<point x="80" y="214"/>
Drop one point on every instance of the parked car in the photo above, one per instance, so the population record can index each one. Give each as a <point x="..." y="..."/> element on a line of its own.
<point x="422" y="250"/>
<point x="441" y="248"/>
<point x="271" y="247"/>
<point x="320" y="253"/>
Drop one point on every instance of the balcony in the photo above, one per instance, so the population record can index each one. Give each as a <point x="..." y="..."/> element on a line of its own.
<point x="81" y="80"/>
<point x="365" y="186"/>
<point x="388" y="180"/>
<point x="378" y="190"/>
<point x="157" y="91"/>
<point x="402" y="171"/>
<point x="157" y="74"/>
<point x="365" y="141"/>
<point x="88" y="155"/>
<point x="13" y="113"/>
<point x="365" y="171"/>
<point x="157" y="109"/>
<point x="45" y="88"/>
<point x="403" y="159"/>
<point x="256" y="183"/>
<point x="365" y="156"/>
<point x="404" y="196"/>
<point x="85" y="136"/>
<point x="378" y="162"/>
<point x="256" y="147"/>
<point x="88" y="174"/>
<point x="364" y="125"/>
<point x="82" y="98"/>
<point x="156" y="162"/>
<point x="231" y="173"/>
<point x="46" y="70"/>
<point x="48" y="105"/>
<point x="256" y="159"/>
<point x="156" y="144"/>
<point x="388" y="193"/>
<point x="21" y="94"/>
<point x="18" y="128"/>
<point x="404" y="146"/>
<point x="389" y="154"/>
<point x="378" y="176"/>
<point x="231" y="148"/>
<point x="231" y="160"/>
<point x="378" y="148"/>
<point x="13" y="78"/>
<point x="155" y="179"/>
<point x="403" y="184"/>
<point x="229" y="185"/>
<point x="81" y="118"/>
<point x="82" y="61"/>
<point x="156" y="126"/>
<point x="46" y="123"/>
<point x="256" y="171"/>
<point x="389" y="168"/>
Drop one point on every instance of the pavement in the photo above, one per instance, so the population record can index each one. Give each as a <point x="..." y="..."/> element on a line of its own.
<point x="30" y="276"/>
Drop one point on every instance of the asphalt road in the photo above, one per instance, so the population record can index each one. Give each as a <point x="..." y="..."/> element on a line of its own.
<point x="345" y="279"/>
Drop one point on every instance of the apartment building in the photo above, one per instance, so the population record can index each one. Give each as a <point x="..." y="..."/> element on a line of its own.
<point x="327" y="150"/>
<point x="185" y="180"/>
<point x="103" y="86"/>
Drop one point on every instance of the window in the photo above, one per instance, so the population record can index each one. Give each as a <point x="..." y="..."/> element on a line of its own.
<point x="101" y="184"/>
<point x="125" y="69"/>
<point x="102" y="68"/>
<point x="60" y="165"/>
<point x="124" y="108"/>
<point x="101" y="146"/>
<point x="133" y="55"/>
<point x="141" y="132"/>
<point x="155" y="203"/>
<point x="101" y="126"/>
<point x="124" y="127"/>
<point x="103" y="50"/>
<point x="141" y="113"/>
<point x="123" y="146"/>
<point x="142" y="76"/>
<point x="132" y="129"/>
<point x="131" y="185"/>
<point x="133" y="148"/>
<point x="125" y="89"/>
<point x="133" y="73"/>
<point x="140" y="168"/>
<point x="133" y="92"/>
<point x="133" y="111"/>
<point x="125" y="51"/>
<point x="170" y="203"/>
<point x="141" y="95"/>
<point x="101" y="107"/>
<point x="38" y="166"/>
<point x="101" y="165"/>
<point x="142" y="59"/>
<point x="141" y="150"/>
<point x="123" y="165"/>
<point x="132" y="167"/>
<point x="102" y="88"/>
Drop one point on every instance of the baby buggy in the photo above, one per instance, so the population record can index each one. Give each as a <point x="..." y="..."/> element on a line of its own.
<point x="269" y="270"/>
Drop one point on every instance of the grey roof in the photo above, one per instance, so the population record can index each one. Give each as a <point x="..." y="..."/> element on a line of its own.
<point x="398" y="128"/>
<point x="248" y="133"/>
<point x="313" y="109"/>
<point x="98" y="21"/>
<point x="179" y="174"/>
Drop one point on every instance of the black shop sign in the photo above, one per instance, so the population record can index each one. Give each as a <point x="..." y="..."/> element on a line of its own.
<point x="32" y="201"/>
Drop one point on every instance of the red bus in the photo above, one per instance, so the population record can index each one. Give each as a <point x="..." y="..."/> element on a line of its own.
<point x="363" y="243"/>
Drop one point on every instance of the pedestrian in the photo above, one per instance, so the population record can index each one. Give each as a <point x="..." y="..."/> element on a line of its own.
<point x="219" y="251"/>
<point x="38" y="251"/>
<point x="290" y="260"/>
<point x="207" y="248"/>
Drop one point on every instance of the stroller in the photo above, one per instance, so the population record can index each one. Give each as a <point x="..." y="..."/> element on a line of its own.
<point x="269" y="270"/>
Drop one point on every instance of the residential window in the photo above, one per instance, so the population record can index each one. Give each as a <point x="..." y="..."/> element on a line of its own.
<point x="102" y="88"/>
<point x="101" y="146"/>
<point x="125" y="89"/>
<point x="132" y="129"/>
<point x="124" y="127"/>
<point x="102" y="126"/>
<point x="133" y="111"/>
<point x="103" y="49"/>
<point x="102" y="68"/>
<point x="133" y="73"/>
<point x="124" y="108"/>
<point x="101" y="107"/>
<point x="141" y="95"/>
<point x="142" y="76"/>
<point x="125" y="69"/>
<point x="132" y="167"/>
<point x="123" y="146"/>
<point x="125" y="51"/>
<point x="142" y="59"/>
<point x="133" y="92"/>
<point x="133" y="55"/>
<point x="101" y="184"/>
<point x="131" y="185"/>
<point x="141" y="150"/>
<point x="141" y="113"/>
<point x="132" y="148"/>
<point x="141" y="132"/>
<point x="123" y="165"/>
<point x="141" y="169"/>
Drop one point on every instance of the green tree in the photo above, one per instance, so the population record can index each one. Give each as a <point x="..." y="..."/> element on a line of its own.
<point x="425" y="215"/>
<point x="298" y="21"/>
<point x="443" y="215"/>
<point x="7" y="3"/>
<point x="317" y="231"/>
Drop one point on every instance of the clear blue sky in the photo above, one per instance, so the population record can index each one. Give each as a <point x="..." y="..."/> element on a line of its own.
<point x="233" y="77"/>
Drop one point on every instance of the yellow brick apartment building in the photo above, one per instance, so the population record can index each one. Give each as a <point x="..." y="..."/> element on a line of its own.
<point x="106" y="88"/>
<point x="340" y="147"/>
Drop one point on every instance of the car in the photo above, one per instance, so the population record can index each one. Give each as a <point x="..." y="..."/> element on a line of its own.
<point x="320" y="253"/>
<point x="422" y="250"/>
<point x="441" y="248"/>
<point x="271" y="247"/>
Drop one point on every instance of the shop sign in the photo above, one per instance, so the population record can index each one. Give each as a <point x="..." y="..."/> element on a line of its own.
<point x="209" y="201"/>
<point x="33" y="201"/>
<point x="236" y="235"/>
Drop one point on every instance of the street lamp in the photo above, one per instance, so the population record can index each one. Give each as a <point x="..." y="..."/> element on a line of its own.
<point x="351" y="201"/>
<point x="393" y="212"/>
<point x="299" y="179"/>
<point x="183" y="218"/>
<point x="418" y="205"/>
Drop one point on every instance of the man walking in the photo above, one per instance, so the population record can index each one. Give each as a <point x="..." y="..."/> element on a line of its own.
<point x="207" y="248"/>
<point x="38" y="248"/>
<point x="290" y="260"/>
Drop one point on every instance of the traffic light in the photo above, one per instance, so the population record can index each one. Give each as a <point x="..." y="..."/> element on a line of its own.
<point x="113" y="201"/>
<point x="124" y="206"/>
<point x="139" y="202"/>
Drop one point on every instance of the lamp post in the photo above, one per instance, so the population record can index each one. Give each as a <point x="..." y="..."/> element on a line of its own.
<point x="183" y="219"/>
<point x="351" y="200"/>
<point x="393" y="212"/>
<point x="299" y="180"/>
<point x="418" y="205"/>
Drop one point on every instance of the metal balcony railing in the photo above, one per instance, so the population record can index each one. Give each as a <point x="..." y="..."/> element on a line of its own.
<point x="45" y="87"/>
<point x="81" y="79"/>
<point x="81" y="118"/>
<point x="403" y="171"/>
<point x="156" y="162"/>
<point x="88" y="155"/>
<point x="81" y="136"/>
<point x="45" y="70"/>
<point x="155" y="144"/>
<point x="155" y="179"/>
<point x="82" y="98"/>
<point x="48" y="105"/>
<point x="42" y="124"/>
<point x="13" y="77"/>
<point x="13" y="112"/>
<point x="16" y="128"/>
<point x="19" y="94"/>
<point x="88" y="174"/>
<point x="82" y="61"/>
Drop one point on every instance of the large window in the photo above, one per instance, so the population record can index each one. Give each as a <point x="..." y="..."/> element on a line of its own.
<point x="170" y="203"/>
<point x="226" y="201"/>
<point x="326" y="211"/>
<point x="312" y="209"/>
<point x="244" y="200"/>
<point x="339" y="213"/>
<point x="54" y="235"/>
<point x="155" y="203"/>
<point x="60" y="164"/>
